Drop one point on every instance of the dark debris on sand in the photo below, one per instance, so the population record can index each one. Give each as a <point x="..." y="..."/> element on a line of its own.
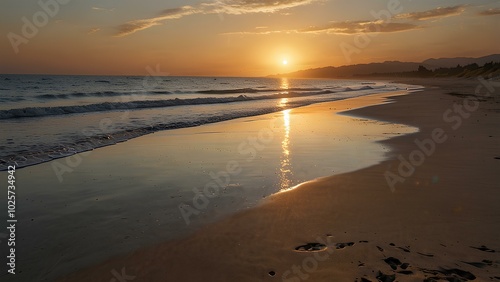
<point x="386" y="277"/>
<point x="454" y="274"/>
<point x="402" y="271"/>
<point x="311" y="247"/>
<point x="482" y="264"/>
<point x="343" y="245"/>
<point x="484" y="249"/>
<point x="393" y="262"/>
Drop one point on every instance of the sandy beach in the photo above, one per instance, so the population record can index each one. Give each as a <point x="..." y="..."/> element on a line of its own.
<point x="428" y="213"/>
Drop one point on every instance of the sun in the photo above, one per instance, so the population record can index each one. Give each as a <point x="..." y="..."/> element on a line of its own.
<point x="285" y="62"/>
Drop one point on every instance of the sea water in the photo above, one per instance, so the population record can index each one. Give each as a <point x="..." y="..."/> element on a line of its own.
<point x="45" y="117"/>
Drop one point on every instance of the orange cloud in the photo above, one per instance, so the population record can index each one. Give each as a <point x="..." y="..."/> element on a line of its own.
<point x="234" y="7"/>
<point x="93" y="30"/>
<point x="433" y="14"/>
<point x="490" y="12"/>
<point x="256" y="6"/>
<point x="347" y="27"/>
<point x="354" y="27"/>
<point x="168" y="14"/>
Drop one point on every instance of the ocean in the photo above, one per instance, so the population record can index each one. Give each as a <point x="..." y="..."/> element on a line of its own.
<point x="46" y="117"/>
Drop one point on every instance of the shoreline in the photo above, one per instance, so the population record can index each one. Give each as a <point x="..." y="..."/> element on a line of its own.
<point x="108" y="138"/>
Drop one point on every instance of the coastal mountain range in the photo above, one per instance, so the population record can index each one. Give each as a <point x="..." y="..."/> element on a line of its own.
<point x="388" y="67"/>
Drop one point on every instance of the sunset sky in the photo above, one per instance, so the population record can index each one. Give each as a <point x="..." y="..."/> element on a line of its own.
<point x="237" y="37"/>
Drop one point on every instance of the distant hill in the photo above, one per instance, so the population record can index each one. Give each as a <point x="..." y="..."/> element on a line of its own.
<point x="453" y="62"/>
<point x="388" y="67"/>
<point x="354" y="70"/>
<point x="489" y="70"/>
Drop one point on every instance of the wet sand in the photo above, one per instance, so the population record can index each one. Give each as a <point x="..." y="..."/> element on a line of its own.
<point x="436" y="221"/>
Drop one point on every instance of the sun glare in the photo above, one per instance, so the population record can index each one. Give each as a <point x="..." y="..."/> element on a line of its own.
<point x="285" y="62"/>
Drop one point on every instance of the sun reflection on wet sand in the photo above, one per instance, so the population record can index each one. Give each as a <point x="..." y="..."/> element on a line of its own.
<point x="285" y="168"/>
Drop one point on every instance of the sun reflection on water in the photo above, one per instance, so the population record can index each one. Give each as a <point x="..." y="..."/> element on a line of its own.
<point x="284" y="83"/>
<point x="283" y="102"/>
<point x="285" y="169"/>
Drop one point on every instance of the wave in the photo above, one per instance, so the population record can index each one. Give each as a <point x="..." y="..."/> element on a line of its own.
<point x="113" y="106"/>
<point x="53" y="96"/>
<point x="12" y="99"/>
<point x="94" y="94"/>
<point x="349" y="89"/>
<point x="43" y="153"/>
<point x="253" y="90"/>
<point x="164" y="92"/>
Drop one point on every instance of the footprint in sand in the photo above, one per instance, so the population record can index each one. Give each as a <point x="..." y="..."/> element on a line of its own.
<point x="311" y="247"/>
<point x="339" y="246"/>
<point x="315" y="247"/>
<point x="484" y="263"/>
<point x="453" y="274"/>
<point x="393" y="262"/>
<point x="385" y="277"/>
<point x="484" y="249"/>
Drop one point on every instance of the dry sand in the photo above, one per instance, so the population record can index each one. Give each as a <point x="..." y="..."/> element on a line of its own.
<point x="442" y="222"/>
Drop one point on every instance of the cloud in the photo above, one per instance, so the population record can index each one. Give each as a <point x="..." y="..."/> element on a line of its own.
<point x="237" y="7"/>
<point x="354" y="27"/>
<point x="433" y="14"/>
<point x="168" y="14"/>
<point x="490" y="12"/>
<point x="233" y="7"/>
<point x="347" y="27"/>
<point x="265" y="32"/>
<point x="93" y="30"/>
<point x="103" y="9"/>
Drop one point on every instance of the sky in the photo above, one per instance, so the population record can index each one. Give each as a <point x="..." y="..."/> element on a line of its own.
<point x="237" y="37"/>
